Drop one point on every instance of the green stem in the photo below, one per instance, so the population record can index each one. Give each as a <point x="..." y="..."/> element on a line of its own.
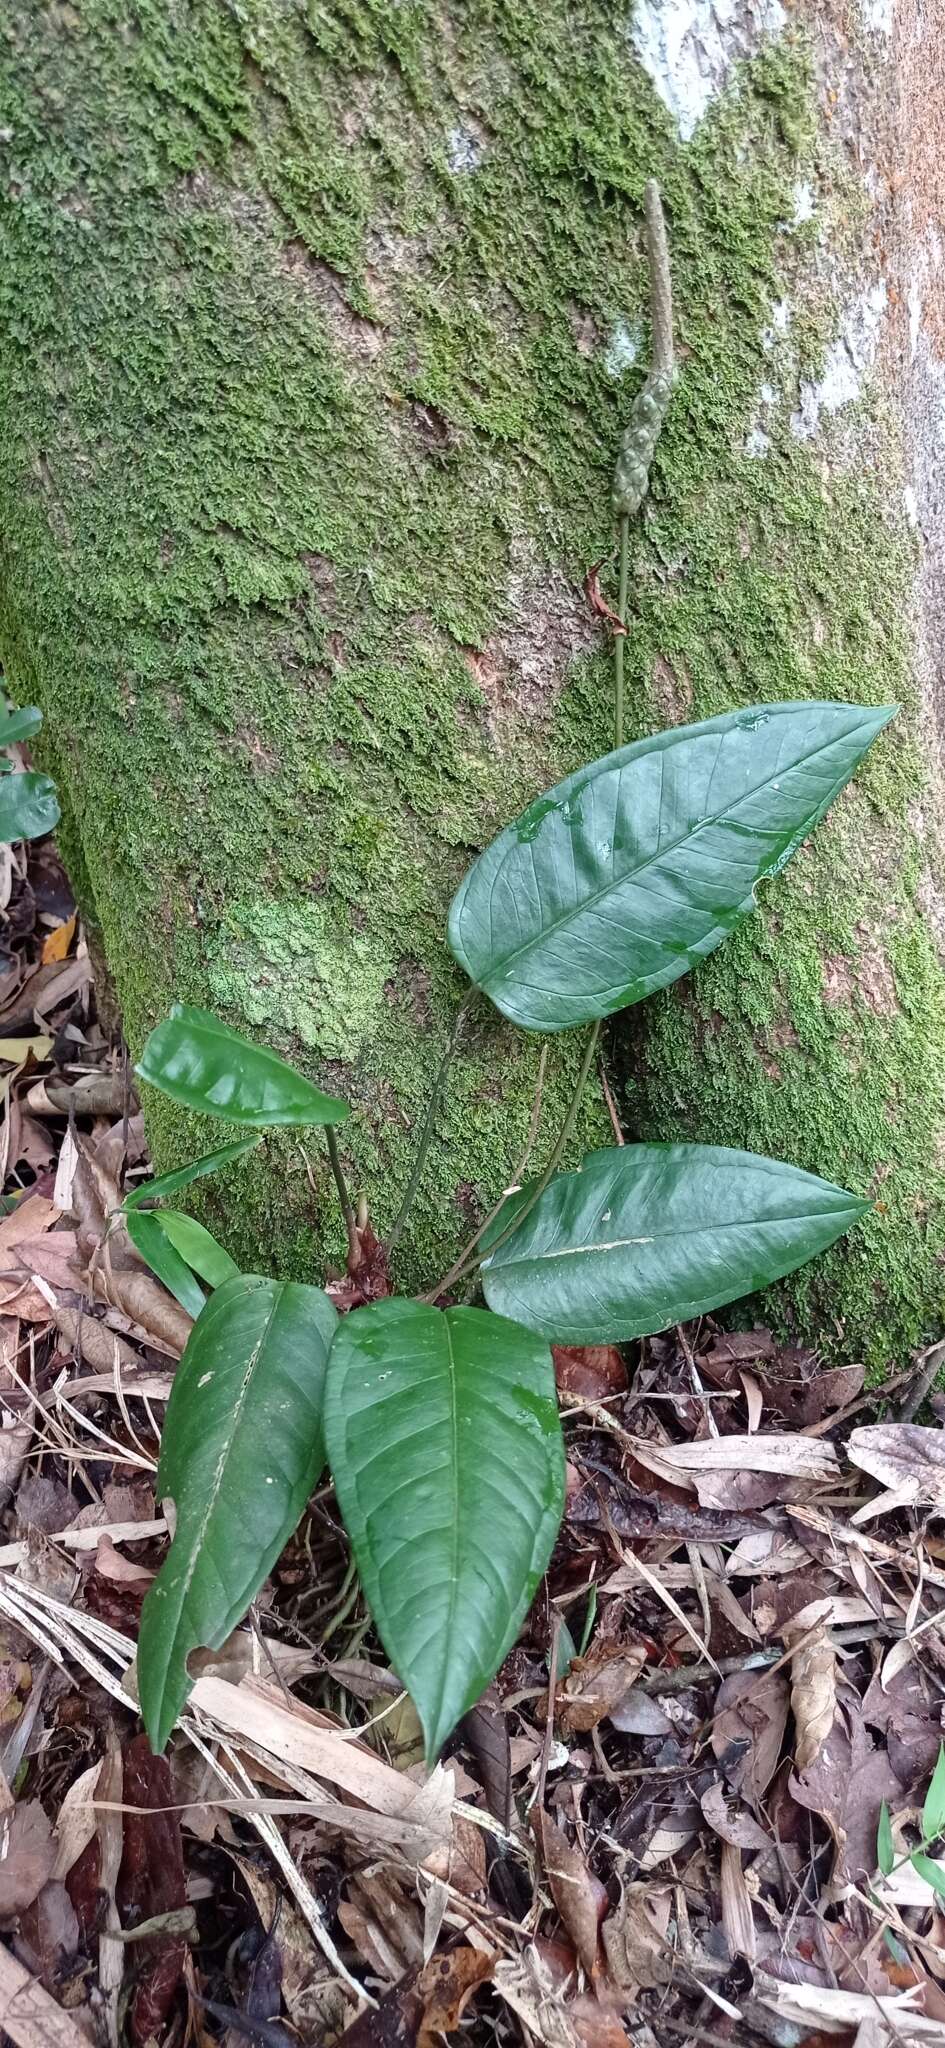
<point x="620" y="636"/>
<point x="342" y="1187"/>
<point x="426" y="1133"/>
<point x="467" y="1262"/>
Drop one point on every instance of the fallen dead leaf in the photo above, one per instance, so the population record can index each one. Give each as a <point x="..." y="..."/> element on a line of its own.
<point x="796" y="1457"/>
<point x="589" y="1372"/>
<point x="597" y="1683"/>
<point x="27" y="1856"/>
<point x="813" y="1689"/>
<point x="579" y="1897"/>
<point x="904" y="1457"/>
<point x="30" y="2017"/>
<point x="635" y="1939"/>
<point x="56" y="944"/>
<point x="446" y="1984"/>
<point x="751" y="1713"/>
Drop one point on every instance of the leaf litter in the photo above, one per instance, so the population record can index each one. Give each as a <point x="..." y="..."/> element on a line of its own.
<point x="722" y="1815"/>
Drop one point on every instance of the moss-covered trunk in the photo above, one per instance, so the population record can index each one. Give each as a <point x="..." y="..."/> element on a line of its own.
<point x="317" y="333"/>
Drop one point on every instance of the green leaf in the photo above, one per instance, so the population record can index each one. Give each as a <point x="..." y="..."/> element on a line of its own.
<point x="200" y="1062"/>
<point x="197" y="1246"/>
<point x="932" y="1872"/>
<point x="643" y="1236"/>
<point x="241" y="1452"/>
<point x="634" y="868"/>
<point x="148" y="1238"/>
<point x="28" y="806"/>
<point x="170" y="1183"/>
<point x="933" y="1811"/>
<point x="16" y="726"/>
<point x="885" y="1846"/>
<point x="445" y="1445"/>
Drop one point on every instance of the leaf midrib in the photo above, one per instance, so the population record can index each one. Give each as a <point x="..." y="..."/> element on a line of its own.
<point x="607" y="889"/>
<point x="685" y="1230"/>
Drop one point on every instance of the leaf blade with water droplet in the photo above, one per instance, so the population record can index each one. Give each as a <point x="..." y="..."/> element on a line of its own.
<point x="620" y="879"/>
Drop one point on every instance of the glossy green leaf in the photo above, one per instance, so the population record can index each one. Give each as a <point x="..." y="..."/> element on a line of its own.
<point x="885" y="1846"/>
<point x="634" y="868"/>
<point x="933" y="1811"/>
<point x="643" y="1236"/>
<point x="202" y="1063"/>
<point x="445" y="1445"/>
<point x="144" y="1230"/>
<point x="16" y="726"/>
<point x="182" y="1176"/>
<point x="241" y="1452"/>
<point x="932" y="1872"/>
<point x="28" y="806"/>
<point x="197" y="1246"/>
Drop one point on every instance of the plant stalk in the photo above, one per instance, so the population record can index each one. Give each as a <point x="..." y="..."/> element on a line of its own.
<point x="620" y="635"/>
<point x="467" y="1262"/>
<point x="344" y="1198"/>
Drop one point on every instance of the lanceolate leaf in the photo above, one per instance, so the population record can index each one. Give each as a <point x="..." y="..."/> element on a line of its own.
<point x="933" y="1810"/>
<point x="197" y="1246"/>
<point x="28" y="806"/>
<point x="241" y="1452"/>
<point x="148" y="1238"/>
<point x="444" y="1441"/>
<point x="198" y="1061"/>
<point x="643" y="1236"/>
<point x="19" y="725"/>
<point x="626" y="874"/>
<point x="885" y="1846"/>
<point x="182" y="1176"/>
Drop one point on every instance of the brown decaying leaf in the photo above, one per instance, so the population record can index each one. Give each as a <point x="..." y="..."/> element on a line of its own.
<point x="739" y="1829"/>
<point x="846" y="1783"/>
<point x="737" y="1919"/>
<point x="589" y="1372"/>
<point x="721" y="1469"/>
<point x="597" y="1683"/>
<point x="580" y="1898"/>
<point x="48" y="1933"/>
<point x="446" y="1984"/>
<point x="151" y="1882"/>
<point x="486" y="1729"/>
<point x="813" y="1690"/>
<point x="635" y="1939"/>
<point x="903" y="1455"/>
<point x="31" y="2018"/>
<point x="56" y="944"/>
<point x="27" y="1856"/>
<point x="751" y="1711"/>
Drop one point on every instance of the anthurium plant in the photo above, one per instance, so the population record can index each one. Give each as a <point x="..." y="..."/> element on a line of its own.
<point x="439" y="1422"/>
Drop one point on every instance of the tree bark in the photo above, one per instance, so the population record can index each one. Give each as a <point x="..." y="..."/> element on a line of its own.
<point x="319" y="324"/>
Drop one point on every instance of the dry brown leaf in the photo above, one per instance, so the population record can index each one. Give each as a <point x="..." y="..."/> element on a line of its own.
<point x="903" y="1456"/>
<point x="635" y="1939"/>
<point x="837" y="2012"/>
<point x="28" y="2014"/>
<point x="737" y="1918"/>
<point x="383" y="1920"/>
<point x="845" y="1784"/>
<point x="288" y="1732"/>
<point x="813" y="1690"/>
<point x="29" y="1219"/>
<point x="589" y="1372"/>
<point x="527" y="1985"/>
<point x="597" y="1683"/>
<point x="578" y="1896"/>
<point x="56" y="944"/>
<point x="76" y="1821"/>
<point x="739" y="1829"/>
<point x="27" y="1856"/>
<point x="446" y="1984"/>
<point x="751" y="1711"/>
<point x="14" y="1445"/>
<point x="797" y="1457"/>
<point x="146" y="1303"/>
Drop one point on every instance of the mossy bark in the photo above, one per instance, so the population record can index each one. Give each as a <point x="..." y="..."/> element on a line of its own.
<point x="314" y="337"/>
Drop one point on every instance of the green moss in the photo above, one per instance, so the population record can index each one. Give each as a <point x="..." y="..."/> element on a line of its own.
<point x="300" y="430"/>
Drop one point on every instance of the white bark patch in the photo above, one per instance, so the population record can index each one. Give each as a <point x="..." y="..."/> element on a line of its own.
<point x="622" y="349"/>
<point x="689" y="48"/>
<point x="464" y="150"/>
<point x="848" y="361"/>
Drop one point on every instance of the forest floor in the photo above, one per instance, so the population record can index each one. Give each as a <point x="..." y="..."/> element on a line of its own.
<point x="666" y="1821"/>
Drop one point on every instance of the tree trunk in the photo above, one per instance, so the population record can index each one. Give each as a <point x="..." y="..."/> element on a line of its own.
<point x="319" y="324"/>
